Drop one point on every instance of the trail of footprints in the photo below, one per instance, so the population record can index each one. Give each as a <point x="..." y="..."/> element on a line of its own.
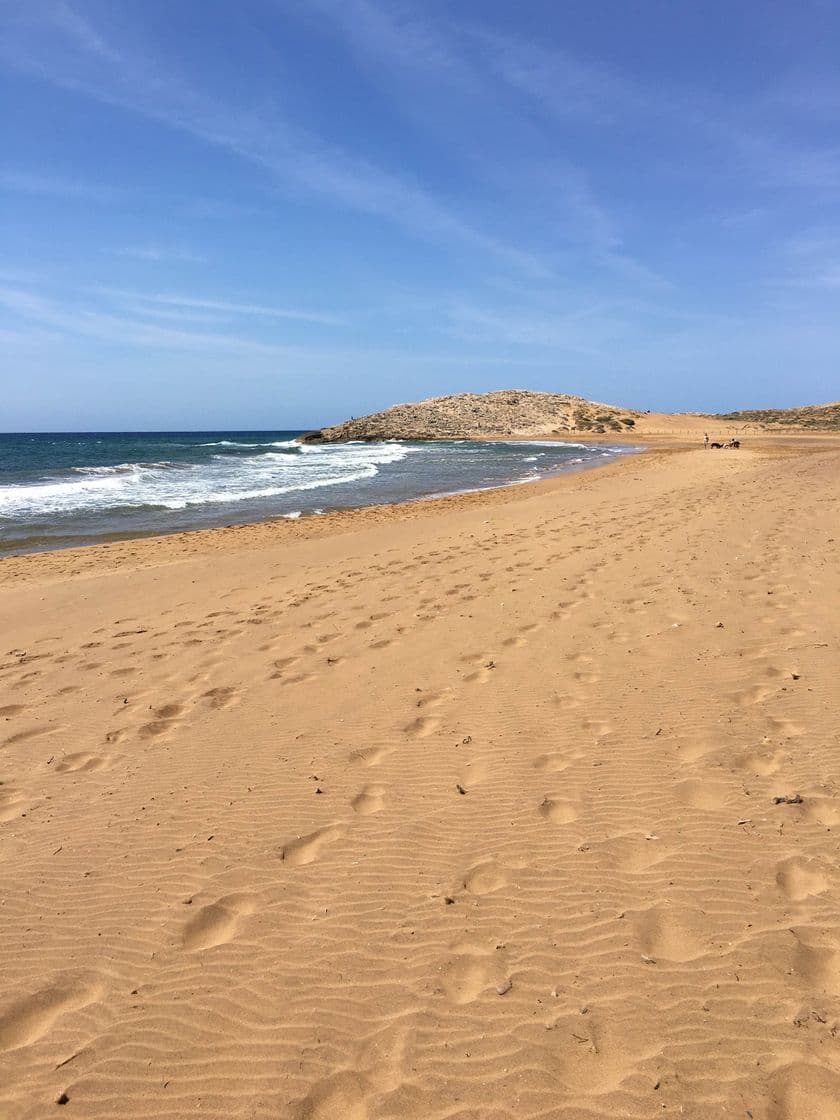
<point x="134" y="716"/>
<point x="219" y="921"/>
<point x="673" y="934"/>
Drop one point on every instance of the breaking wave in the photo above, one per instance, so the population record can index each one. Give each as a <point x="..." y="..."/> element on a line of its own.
<point x="287" y="468"/>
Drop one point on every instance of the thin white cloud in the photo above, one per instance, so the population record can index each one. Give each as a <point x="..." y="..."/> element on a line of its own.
<point x="70" y="318"/>
<point x="34" y="183"/>
<point x="392" y="38"/>
<point x="455" y="74"/>
<point x="561" y="333"/>
<point x="87" y="63"/>
<point x="75" y="319"/>
<point x="67" y="20"/>
<point x="810" y="259"/>
<point x="174" y="300"/>
<point x="566" y="87"/>
<point x="159" y="253"/>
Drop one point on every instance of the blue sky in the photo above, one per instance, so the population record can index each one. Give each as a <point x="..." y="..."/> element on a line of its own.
<point x="276" y="213"/>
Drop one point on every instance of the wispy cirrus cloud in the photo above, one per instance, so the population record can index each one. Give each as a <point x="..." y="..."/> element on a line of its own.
<point x="809" y="260"/>
<point x="35" y="183"/>
<point x="56" y="44"/>
<point x="162" y="301"/>
<point x="55" y="317"/>
<point x="76" y="318"/>
<point x="158" y="254"/>
<point x="455" y="77"/>
<point x="565" y="86"/>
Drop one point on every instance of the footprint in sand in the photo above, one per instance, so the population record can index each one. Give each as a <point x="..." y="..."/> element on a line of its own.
<point x="485" y="878"/>
<point x="369" y="801"/>
<point x="225" y="696"/>
<point x="566" y="703"/>
<point x="370" y="756"/>
<point x="694" y="751"/>
<point x="340" y="1095"/>
<point x="747" y="697"/>
<point x="11" y="804"/>
<point x="465" y="977"/>
<point x="481" y="675"/>
<point x="586" y="676"/>
<point x="816" y="961"/>
<point x="431" y="699"/>
<point x="605" y="1053"/>
<point x="216" y="923"/>
<point x="702" y="793"/>
<point x="29" y="733"/>
<point x="785" y="728"/>
<point x="670" y="933"/>
<point x="306" y="849"/>
<point x="597" y="727"/>
<point x="295" y="678"/>
<point x="803" y="1090"/>
<point x="822" y="810"/>
<point x="473" y="773"/>
<point x="421" y="727"/>
<point x="554" y="762"/>
<point x="764" y="764"/>
<point x="166" y="719"/>
<point x="82" y="761"/>
<point x="516" y="640"/>
<point x="633" y="853"/>
<point x="800" y="878"/>
<point x="557" y="810"/>
<point x="156" y="727"/>
<point x="29" y="1019"/>
<point x="471" y="970"/>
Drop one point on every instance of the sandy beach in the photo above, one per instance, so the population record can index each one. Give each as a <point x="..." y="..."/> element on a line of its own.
<point x="516" y="804"/>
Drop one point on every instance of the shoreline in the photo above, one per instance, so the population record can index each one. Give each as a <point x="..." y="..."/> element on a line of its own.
<point x="525" y="798"/>
<point x="16" y="551"/>
<point x="655" y="440"/>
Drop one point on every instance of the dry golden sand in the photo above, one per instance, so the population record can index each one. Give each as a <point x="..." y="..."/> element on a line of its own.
<point x="462" y="810"/>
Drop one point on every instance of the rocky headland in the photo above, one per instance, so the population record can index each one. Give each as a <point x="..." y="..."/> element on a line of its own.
<point x="507" y="412"/>
<point x="520" y="413"/>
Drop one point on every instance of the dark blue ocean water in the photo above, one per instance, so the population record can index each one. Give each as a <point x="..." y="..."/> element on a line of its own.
<point x="67" y="489"/>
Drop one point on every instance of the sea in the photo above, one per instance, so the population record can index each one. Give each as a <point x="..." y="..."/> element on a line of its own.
<point x="59" y="490"/>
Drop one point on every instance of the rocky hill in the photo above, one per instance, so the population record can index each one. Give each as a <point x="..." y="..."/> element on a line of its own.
<point x="508" y="412"/>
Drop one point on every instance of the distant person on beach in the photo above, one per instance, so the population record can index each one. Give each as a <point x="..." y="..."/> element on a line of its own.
<point x="706" y="441"/>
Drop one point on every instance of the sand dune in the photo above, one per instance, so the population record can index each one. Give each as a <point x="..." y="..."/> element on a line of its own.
<point x="463" y="809"/>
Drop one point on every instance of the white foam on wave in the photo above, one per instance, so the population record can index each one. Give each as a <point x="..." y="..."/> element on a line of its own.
<point x="276" y="491"/>
<point x="229" y="443"/>
<point x="275" y="472"/>
<point x="175" y="486"/>
<point x="126" y="468"/>
<point x="291" y="443"/>
<point x="540" y="443"/>
<point x="119" y="468"/>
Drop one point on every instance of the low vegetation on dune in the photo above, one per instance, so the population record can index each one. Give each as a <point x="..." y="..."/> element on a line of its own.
<point x="819" y="417"/>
